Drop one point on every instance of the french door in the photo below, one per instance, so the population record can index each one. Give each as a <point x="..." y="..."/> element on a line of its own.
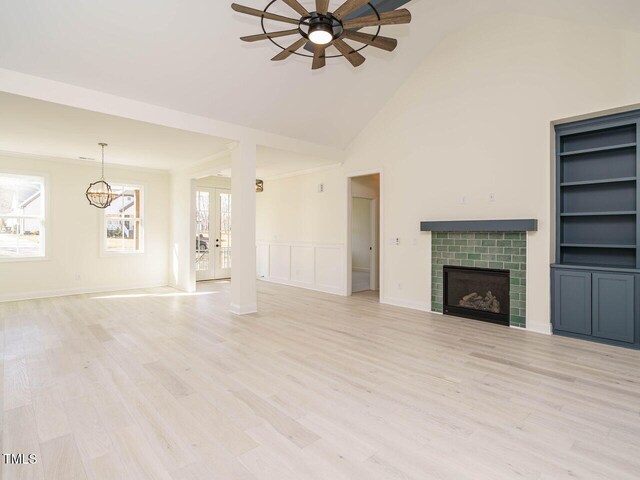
<point x="213" y="233"/>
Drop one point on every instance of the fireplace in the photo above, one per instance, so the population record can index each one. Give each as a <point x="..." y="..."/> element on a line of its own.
<point x="477" y="293"/>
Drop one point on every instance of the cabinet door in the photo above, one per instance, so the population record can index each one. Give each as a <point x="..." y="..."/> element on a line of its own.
<point x="613" y="306"/>
<point x="572" y="301"/>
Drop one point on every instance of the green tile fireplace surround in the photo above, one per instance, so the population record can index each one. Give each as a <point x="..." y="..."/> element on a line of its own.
<point x="495" y="250"/>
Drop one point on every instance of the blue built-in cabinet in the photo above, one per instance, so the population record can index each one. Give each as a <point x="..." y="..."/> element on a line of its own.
<point x="596" y="277"/>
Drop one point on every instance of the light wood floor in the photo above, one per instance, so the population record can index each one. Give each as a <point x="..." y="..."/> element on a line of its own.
<point x="157" y="385"/>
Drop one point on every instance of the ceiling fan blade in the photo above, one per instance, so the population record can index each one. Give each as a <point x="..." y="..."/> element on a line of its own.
<point x="286" y="53"/>
<point x="322" y="6"/>
<point x="319" y="60"/>
<point x="385" y="43"/>
<point x="348" y="7"/>
<point x="260" y="13"/>
<point x="395" y="17"/>
<point x="354" y="57"/>
<point x="265" y="36"/>
<point x="297" y="7"/>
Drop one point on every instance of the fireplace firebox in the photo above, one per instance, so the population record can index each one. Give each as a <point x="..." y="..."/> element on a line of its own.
<point x="477" y="293"/>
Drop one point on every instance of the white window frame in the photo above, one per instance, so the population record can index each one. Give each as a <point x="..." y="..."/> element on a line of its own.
<point x="104" y="218"/>
<point x="44" y="218"/>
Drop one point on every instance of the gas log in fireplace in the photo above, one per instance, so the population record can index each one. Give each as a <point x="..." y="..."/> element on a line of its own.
<point x="477" y="293"/>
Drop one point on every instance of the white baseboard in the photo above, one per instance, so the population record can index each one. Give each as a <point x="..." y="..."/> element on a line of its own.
<point x="65" y="292"/>
<point x="543" y="329"/>
<point x="308" y="286"/>
<point x="243" y="309"/>
<point x="398" y="302"/>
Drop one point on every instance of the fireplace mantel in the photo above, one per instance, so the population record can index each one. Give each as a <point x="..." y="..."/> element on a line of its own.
<point x="519" y="225"/>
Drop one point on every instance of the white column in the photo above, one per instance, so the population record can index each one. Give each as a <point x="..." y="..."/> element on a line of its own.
<point x="243" y="229"/>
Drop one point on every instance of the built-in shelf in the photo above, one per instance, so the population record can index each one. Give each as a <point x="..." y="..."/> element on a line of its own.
<point x="597" y="182"/>
<point x="595" y="245"/>
<point x="598" y="214"/>
<point x="597" y="198"/>
<point x="595" y="283"/>
<point x="599" y="149"/>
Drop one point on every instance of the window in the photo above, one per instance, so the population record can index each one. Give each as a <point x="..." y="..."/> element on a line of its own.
<point x="123" y="220"/>
<point x="22" y="216"/>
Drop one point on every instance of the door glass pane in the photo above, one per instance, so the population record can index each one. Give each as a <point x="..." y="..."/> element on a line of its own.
<point x="203" y="204"/>
<point x="225" y="230"/>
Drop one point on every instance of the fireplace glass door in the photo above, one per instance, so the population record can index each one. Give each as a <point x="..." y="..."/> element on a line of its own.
<point x="478" y="293"/>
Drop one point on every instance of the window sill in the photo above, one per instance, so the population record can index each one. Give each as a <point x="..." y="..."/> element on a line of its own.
<point x="120" y="253"/>
<point x="43" y="258"/>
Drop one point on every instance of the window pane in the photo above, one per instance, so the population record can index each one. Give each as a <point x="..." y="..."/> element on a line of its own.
<point x="115" y="209"/>
<point x="8" y="237"/>
<point x="115" y="230"/>
<point x="130" y="235"/>
<point x="20" y="195"/>
<point x="124" y="220"/>
<point x="29" y="244"/>
<point x="131" y="204"/>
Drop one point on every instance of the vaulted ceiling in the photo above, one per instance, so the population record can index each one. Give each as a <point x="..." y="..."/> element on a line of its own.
<point x="186" y="55"/>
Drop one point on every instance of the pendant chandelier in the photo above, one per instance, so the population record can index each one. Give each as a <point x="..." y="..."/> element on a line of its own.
<point x="99" y="193"/>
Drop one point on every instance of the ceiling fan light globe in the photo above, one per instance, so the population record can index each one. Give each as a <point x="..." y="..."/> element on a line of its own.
<point x="321" y="34"/>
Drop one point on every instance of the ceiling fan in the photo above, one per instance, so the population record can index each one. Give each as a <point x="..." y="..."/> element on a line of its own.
<point x="319" y="29"/>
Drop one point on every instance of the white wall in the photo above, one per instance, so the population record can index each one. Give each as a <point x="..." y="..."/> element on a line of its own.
<point x="214" y="181"/>
<point x="474" y="119"/>
<point x="300" y="231"/>
<point x="293" y="209"/>
<point x="75" y="263"/>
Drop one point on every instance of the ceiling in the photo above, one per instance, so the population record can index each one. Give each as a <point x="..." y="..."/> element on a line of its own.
<point x="42" y="128"/>
<point x="35" y="127"/>
<point x="186" y="55"/>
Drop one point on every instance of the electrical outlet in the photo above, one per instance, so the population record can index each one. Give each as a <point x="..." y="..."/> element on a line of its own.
<point x="464" y="200"/>
<point x="492" y="197"/>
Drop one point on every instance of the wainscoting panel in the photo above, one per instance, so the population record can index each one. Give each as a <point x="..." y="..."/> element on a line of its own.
<point x="280" y="262"/>
<point x="302" y="265"/>
<point x="262" y="261"/>
<point x="313" y="266"/>
<point x="329" y="261"/>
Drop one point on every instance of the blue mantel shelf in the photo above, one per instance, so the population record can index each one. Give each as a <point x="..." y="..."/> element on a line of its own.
<point x="521" y="225"/>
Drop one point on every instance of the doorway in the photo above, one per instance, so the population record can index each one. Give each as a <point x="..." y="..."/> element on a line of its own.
<point x="213" y="233"/>
<point x="364" y="234"/>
